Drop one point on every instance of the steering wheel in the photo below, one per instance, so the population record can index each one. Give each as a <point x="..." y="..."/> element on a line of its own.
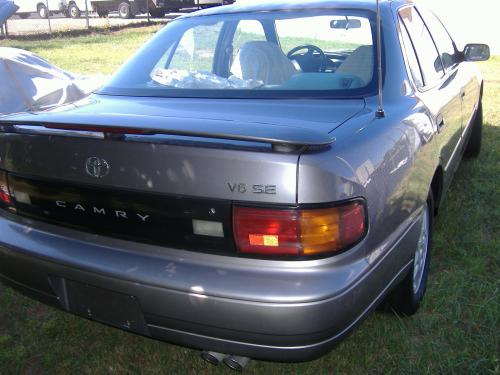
<point x="292" y="54"/>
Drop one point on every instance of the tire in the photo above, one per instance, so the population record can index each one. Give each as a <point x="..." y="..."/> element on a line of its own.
<point x="73" y="11"/>
<point x="406" y="298"/>
<point x="474" y="145"/>
<point x="42" y="10"/>
<point x="125" y="11"/>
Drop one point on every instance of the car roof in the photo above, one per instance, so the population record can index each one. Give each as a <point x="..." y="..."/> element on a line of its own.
<point x="275" y="5"/>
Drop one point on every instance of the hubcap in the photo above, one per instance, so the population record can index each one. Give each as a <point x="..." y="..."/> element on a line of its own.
<point x="421" y="251"/>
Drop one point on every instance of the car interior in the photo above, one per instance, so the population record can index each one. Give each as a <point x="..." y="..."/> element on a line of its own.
<point x="280" y="62"/>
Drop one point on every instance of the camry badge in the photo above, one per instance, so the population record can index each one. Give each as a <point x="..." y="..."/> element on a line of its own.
<point x="97" y="167"/>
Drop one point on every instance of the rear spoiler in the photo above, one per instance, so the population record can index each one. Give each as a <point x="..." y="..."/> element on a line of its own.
<point x="281" y="137"/>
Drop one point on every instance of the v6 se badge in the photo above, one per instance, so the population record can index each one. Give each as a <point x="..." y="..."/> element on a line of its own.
<point x="242" y="188"/>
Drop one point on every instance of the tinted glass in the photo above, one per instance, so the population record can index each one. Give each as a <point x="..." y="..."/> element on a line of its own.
<point x="195" y="50"/>
<point x="441" y="37"/>
<point x="247" y="31"/>
<point x="245" y="55"/>
<point x="428" y="56"/>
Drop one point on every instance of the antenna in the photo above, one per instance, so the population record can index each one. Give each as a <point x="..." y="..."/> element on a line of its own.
<point x="380" y="111"/>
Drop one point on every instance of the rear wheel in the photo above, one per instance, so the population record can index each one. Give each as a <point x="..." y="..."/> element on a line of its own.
<point x="125" y="10"/>
<point x="73" y="11"/>
<point x="42" y="10"/>
<point x="474" y="146"/>
<point x="408" y="295"/>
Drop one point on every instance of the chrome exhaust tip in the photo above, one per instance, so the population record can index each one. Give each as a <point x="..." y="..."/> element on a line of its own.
<point x="213" y="358"/>
<point x="235" y="362"/>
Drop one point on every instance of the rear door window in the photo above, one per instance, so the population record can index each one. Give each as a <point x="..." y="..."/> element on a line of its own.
<point x="427" y="54"/>
<point x="442" y="38"/>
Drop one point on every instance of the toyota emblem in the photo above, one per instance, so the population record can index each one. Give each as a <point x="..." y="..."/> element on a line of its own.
<point x="97" y="167"/>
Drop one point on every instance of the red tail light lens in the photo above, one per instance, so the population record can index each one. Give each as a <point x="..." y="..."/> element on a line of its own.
<point x="298" y="232"/>
<point x="102" y="129"/>
<point x="5" y="199"/>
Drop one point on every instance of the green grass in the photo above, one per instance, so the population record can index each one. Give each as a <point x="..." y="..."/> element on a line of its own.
<point x="100" y="52"/>
<point x="455" y="332"/>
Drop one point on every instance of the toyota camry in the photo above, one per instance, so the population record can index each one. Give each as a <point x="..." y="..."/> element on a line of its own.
<point x="253" y="182"/>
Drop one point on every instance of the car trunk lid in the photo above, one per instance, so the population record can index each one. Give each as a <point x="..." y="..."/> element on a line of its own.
<point x="129" y="173"/>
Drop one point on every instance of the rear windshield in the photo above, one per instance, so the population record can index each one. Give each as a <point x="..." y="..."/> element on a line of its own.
<point x="255" y="55"/>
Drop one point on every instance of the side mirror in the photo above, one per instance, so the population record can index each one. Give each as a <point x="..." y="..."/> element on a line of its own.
<point x="476" y="52"/>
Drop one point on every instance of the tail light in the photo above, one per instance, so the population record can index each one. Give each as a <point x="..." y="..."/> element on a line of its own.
<point x="5" y="197"/>
<point x="101" y="129"/>
<point x="298" y="232"/>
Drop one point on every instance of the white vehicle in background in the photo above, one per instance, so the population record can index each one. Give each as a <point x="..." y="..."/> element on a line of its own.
<point x="74" y="8"/>
<point x="41" y="7"/>
<point x="125" y="8"/>
<point x="212" y="3"/>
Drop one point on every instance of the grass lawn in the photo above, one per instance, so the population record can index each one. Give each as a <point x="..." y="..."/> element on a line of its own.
<point x="456" y="331"/>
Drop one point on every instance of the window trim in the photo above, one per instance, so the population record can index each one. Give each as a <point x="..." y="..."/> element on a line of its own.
<point x="404" y="50"/>
<point x="426" y="87"/>
<point x="446" y="70"/>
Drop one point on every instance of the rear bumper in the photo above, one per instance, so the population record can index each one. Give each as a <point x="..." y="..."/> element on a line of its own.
<point x="284" y="312"/>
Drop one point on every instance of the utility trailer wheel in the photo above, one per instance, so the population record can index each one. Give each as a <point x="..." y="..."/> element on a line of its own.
<point x="73" y="11"/>
<point x="42" y="10"/>
<point x="125" y="11"/>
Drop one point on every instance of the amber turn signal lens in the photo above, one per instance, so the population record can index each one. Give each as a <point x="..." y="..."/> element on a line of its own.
<point x="298" y="232"/>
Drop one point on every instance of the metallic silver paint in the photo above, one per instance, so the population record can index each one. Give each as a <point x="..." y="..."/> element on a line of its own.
<point x="289" y="310"/>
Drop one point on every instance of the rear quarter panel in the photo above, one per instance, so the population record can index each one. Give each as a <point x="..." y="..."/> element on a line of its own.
<point x="390" y="161"/>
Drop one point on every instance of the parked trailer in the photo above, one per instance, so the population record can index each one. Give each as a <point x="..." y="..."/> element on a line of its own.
<point x="42" y="7"/>
<point x="131" y="8"/>
<point x="211" y="3"/>
<point x="126" y="9"/>
<point x="158" y="8"/>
